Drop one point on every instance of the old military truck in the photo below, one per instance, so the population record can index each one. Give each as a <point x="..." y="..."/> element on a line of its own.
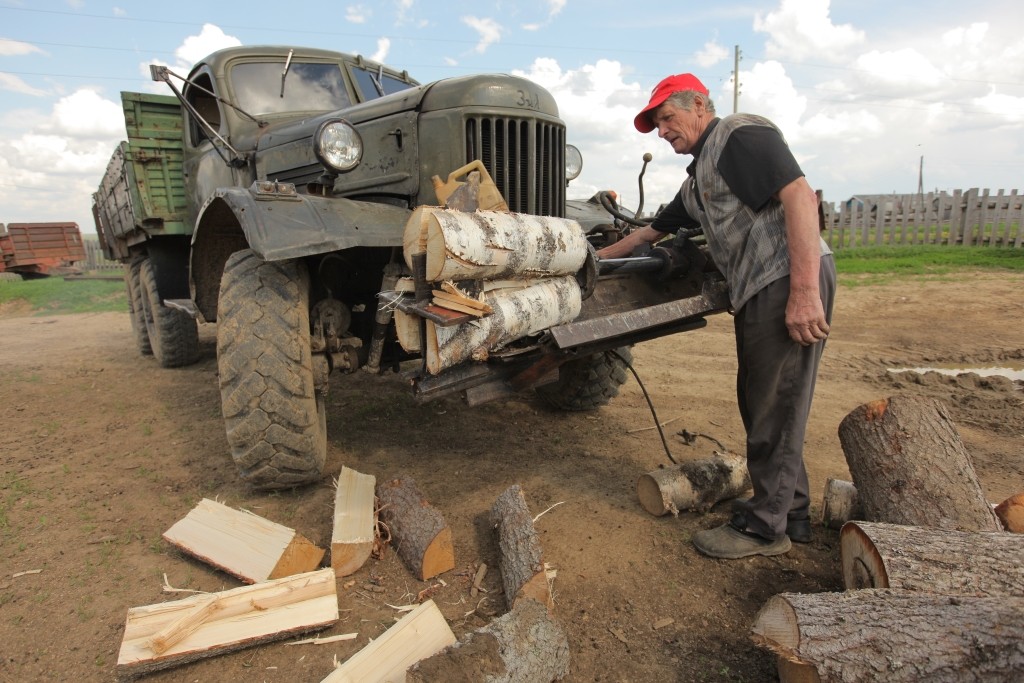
<point x="271" y="195"/>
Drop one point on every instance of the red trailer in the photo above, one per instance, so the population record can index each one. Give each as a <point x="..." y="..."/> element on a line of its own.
<point x="40" y="249"/>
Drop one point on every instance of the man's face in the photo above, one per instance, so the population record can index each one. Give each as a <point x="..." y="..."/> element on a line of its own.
<point x="679" y="127"/>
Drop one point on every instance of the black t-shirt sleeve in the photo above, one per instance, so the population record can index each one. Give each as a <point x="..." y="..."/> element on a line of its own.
<point x="674" y="216"/>
<point x="756" y="163"/>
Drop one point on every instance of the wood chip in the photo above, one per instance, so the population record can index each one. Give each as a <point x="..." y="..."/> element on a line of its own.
<point x="323" y="641"/>
<point x="481" y="572"/>
<point x="619" y="634"/>
<point x="662" y="623"/>
<point x="26" y="573"/>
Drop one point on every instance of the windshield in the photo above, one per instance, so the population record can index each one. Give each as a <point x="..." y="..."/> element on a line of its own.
<point x="368" y="79"/>
<point x="307" y="87"/>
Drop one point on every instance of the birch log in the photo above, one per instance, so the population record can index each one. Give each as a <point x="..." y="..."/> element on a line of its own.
<point x="910" y="466"/>
<point x="517" y="313"/>
<point x="693" y="485"/>
<point x="893" y="636"/>
<point x="522" y="562"/>
<point x="491" y="244"/>
<point x="877" y="555"/>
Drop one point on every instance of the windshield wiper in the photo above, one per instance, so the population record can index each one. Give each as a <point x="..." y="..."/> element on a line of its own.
<point x="376" y="78"/>
<point x="284" y="74"/>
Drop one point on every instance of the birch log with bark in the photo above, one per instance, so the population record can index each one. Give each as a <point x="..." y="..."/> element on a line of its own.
<point x="878" y="555"/>
<point x="693" y="485"/>
<point x="481" y="245"/>
<point x="516" y="314"/>
<point x="522" y="560"/>
<point x="910" y="466"/>
<point x="893" y="636"/>
<point x="419" y="533"/>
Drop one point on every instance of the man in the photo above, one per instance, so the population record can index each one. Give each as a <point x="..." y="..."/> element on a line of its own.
<point x="760" y="218"/>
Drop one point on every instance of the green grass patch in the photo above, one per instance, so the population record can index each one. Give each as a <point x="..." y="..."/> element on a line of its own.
<point x="926" y="260"/>
<point x="54" y="295"/>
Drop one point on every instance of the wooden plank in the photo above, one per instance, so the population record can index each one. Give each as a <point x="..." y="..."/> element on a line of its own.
<point x="355" y="521"/>
<point x="198" y="627"/>
<point x="1016" y="216"/>
<point x="421" y="633"/>
<point x="956" y="218"/>
<point x="243" y="544"/>
<point x="970" y="217"/>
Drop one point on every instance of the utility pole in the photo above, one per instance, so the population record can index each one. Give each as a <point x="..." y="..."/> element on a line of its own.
<point x="736" y="81"/>
<point x="920" y="176"/>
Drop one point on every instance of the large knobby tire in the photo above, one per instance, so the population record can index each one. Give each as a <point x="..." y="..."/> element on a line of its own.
<point x="274" y="418"/>
<point x="173" y="334"/>
<point x="589" y="382"/>
<point x="138" y="316"/>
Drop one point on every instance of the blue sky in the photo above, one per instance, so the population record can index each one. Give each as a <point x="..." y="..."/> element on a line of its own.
<point x="862" y="89"/>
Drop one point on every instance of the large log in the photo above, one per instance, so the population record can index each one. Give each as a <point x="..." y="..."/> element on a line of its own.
<point x="243" y="544"/>
<point x="418" y="531"/>
<point x="893" y="636"/>
<point x="460" y="245"/>
<point x="355" y="521"/>
<point x="910" y="466"/>
<point x="522" y="561"/>
<point x="526" y="645"/>
<point x="171" y="633"/>
<point x="694" y="484"/>
<point x="1011" y="513"/>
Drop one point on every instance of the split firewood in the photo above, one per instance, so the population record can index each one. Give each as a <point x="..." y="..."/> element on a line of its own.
<point x="910" y="466"/>
<point x="355" y="522"/>
<point x="419" y="533"/>
<point x="452" y="297"/>
<point x="478" y="580"/>
<point x="523" y="572"/>
<point x="243" y="544"/>
<point x="171" y="633"/>
<point x="1011" y="513"/>
<point x="526" y="645"/>
<point x="418" y="635"/>
<point x="893" y="636"/>
<point x="839" y="504"/>
<point x="878" y="555"/>
<point x="693" y="485"/>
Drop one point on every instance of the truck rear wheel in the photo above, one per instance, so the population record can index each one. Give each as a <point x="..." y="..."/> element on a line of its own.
<point x="173" y="334"/>
<point x="589" y="382"/>
<point x="138" y="317"/>
<point x="274" y="417"/>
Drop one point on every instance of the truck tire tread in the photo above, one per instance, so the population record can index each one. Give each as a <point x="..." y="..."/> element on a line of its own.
<point x="173" y="334"/>
<point x="588" y="383"/>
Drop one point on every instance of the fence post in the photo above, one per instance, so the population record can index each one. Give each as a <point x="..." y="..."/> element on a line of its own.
<point x="970" y="213"/>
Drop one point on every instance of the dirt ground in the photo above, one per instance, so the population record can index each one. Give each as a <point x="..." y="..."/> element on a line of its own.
<point x="102" y="451"/>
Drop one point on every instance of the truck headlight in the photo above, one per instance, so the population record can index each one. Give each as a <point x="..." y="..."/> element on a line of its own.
<point x="573" y="162"/>
<point x="338" y="145"/>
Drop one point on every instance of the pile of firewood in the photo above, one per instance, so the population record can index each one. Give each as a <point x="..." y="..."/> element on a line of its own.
<point x="288" y="595"/>
<point x="935" y="586"/>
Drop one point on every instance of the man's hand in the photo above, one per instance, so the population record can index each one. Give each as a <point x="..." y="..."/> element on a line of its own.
<point x="805" y="317"/>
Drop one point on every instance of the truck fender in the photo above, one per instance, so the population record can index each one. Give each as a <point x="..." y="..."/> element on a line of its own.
<point x="279" y="224"/>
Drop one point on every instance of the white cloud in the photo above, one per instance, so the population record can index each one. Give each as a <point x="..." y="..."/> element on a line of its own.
<point x="357" y="14"/>
<point x="383" y="46"/>
<point x="799" y="29"/>
<point x="1005" y="107"/>
<point x="86" y="115"/>
<point x="767" y="89"/>
<point x="210" y="39"/>
<point x="712" y="53"/>
<point x="16" y="48"/>
<point x="555" y="8"/>
<point x="118" y="12"/>
<point x="490" y="32"/>
<point x="906" y="69"/>
<point x="15" y="84"/>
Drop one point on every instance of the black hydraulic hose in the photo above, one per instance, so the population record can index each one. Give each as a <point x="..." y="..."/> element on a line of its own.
<point x="650" y="404"/>
<point x="609" y="205"/>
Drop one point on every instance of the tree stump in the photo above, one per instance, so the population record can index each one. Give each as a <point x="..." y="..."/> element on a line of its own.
<point x="526" y="645"/>
<point x="893" y="636"/>
<point x="522" y="562"/>
<point x="877" y="555"/>
<point x="418" y="531"/>
<point x="693" y="485"/>
<point x="910" y="466"/>
<point x="839" y="503"/>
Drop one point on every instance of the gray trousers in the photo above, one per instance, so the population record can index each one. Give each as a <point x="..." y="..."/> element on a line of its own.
<point x="774" y="387"/>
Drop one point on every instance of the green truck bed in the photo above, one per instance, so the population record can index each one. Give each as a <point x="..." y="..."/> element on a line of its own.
<point x="142" y="194"/>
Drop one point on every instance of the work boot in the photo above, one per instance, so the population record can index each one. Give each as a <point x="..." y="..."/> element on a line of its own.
<point x="798" y="524"/>
<point x="729" y="543"/>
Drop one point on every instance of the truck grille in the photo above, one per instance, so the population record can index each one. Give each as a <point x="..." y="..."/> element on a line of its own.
<point x="526" y="160"/>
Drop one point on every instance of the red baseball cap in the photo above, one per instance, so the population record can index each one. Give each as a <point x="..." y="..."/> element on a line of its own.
<point x="661" y="93"/>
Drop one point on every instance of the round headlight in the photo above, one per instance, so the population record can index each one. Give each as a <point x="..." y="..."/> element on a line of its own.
<point x="338" y="145"/>
<point x="573" y="162"/>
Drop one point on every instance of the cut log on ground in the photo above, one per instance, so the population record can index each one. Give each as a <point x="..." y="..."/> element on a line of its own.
<point x="893" y="636"/>
<point x="878" y="555"/>
<point x="243" y="544"/>
<point x="460" y="245"/>
<point x="355" y="521"/>
<point x="693" y="485"/>
<point x="172" y="633"/>
<point x="839" y="503"/>
<point x="526" y="645"/>
<point x="522" y="561"/>
<point x="419" y="634"/>
<point x="418" y="531"/>
<point x="910" y="466"/>
<point x="1011" y="513"/>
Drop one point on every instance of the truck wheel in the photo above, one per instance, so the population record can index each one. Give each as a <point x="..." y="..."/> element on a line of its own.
<point x="173" y="334"/>
<point x="275" y="419"/>
<point x="589" y="382"/>
<point x="138" y="317"/>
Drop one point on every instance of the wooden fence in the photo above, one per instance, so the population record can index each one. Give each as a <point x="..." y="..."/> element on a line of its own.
<point x="94" y="258"/>
<point x="969" y="218"/>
